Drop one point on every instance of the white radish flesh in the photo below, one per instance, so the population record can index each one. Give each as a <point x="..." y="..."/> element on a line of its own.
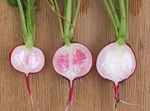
<point x="116" y="63"/>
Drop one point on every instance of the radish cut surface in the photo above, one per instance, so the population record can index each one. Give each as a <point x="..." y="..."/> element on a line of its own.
<point x="72" y="62"/>
<point x="116" y="63"/>
<point x="27" y="62"/>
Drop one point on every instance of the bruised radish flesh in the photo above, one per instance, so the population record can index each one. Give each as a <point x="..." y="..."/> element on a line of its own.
<point x="27" y="62"/>
<point x="72" y="62"/>
<point x="116" y="63"/>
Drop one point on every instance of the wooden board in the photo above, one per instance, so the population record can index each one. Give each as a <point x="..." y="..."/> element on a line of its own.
<point x="91" y="93"/>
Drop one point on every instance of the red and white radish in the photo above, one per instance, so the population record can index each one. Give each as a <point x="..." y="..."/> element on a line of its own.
<point x="73" y="60"/>
<point x="27" y="59"/>
<point x="116" y="61"/>
<point x="27" y="62"/>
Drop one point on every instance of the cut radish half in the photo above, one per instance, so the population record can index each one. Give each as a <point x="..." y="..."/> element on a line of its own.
<point x="116" y="63"/>
<point x="27" y="62"/>
<point x="72" y="62"/>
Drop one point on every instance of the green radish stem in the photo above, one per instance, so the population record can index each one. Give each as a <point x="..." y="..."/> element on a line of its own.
<point x="122" y="37"/>
<point x="22" y="18"/>
<point x="110" y="14"/>
<point x="75" y="16"/>
<point x="27" y="20"/>
<point x="70" y="15"/>
<point x="119" y="18"/>
<point x="116" y="17"/>
<point x="59" y="19"/>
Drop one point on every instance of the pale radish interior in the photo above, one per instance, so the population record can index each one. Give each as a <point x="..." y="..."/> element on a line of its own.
<point x="73" y="61"/>
<point x="116" y="63"/>
<point x="27" y="61"/>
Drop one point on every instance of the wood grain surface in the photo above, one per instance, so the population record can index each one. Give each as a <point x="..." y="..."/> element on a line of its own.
<point x="91" y="93"/>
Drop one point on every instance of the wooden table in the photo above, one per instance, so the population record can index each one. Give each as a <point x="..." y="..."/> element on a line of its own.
<point x="91" y="93"/>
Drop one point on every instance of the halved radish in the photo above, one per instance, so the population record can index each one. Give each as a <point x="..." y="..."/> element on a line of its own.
<point x="27" y="58"/>
<point x="27" y="62"/>
<point x="116" y="63"/>
<point x="72" y="62"/>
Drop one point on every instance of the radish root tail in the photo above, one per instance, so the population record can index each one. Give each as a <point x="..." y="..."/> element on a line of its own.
<point x="27" y="82"/>
<point x="116" y="104"/>
<point x="121" y="101"/>
<point x="70" y="95"/>
<point x="67" y="108"/>
<point x="33" y="107"/>
<point x="118" y="99"/>
<point x="124" y="102"/>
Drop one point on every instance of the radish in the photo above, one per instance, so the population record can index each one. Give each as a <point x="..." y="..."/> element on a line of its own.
<point x="73" y="60"/>
<point x="116" y="61"/>
<point x="26" y="58"/>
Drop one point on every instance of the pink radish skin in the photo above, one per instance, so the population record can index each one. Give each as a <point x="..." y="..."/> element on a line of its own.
<point x="72" y="62"/>
<point x="27" y="62"/>
<point x="116" y="63"/>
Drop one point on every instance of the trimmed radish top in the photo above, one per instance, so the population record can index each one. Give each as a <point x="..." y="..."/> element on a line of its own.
<point x="27" y="61"/>
<point x="116" y="63"/>
<point x="72" y="61"/>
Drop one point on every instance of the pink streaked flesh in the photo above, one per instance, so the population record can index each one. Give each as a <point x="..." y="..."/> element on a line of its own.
<point x="72" y="62"/>
<point x="27" y="61"/>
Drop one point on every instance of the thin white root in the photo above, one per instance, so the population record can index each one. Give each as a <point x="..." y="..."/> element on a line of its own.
<point x="127" y="103"/>
<point x="33" y="107"/>
<point x="67" y="108"/>
<point x="116" y="104"/>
